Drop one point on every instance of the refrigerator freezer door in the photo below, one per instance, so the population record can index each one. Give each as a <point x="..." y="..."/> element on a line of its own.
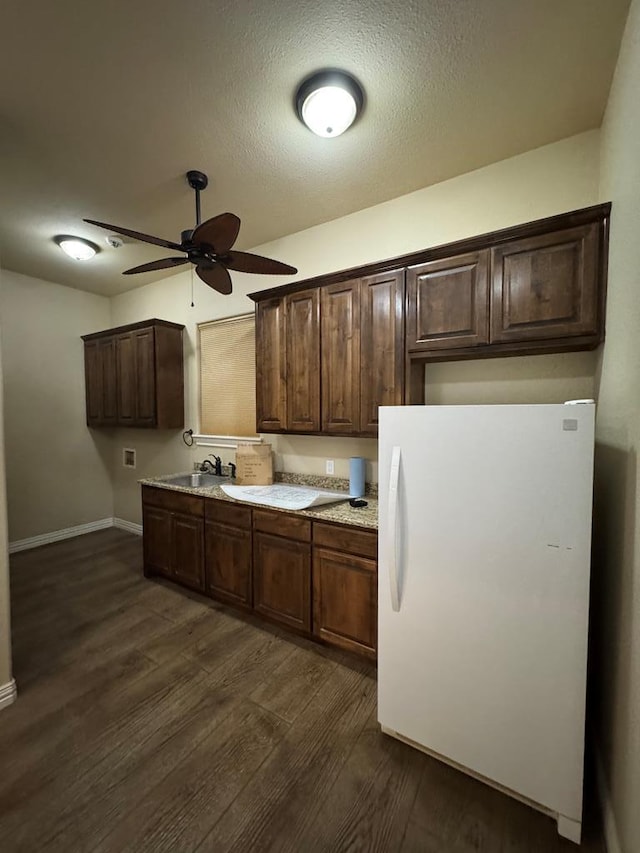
<point x="484" y="662"/>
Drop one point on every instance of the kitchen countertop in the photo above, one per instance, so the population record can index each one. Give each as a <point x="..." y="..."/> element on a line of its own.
<point x="340" y="513"/>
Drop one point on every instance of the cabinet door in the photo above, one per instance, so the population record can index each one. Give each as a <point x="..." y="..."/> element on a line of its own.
<point x="303" y="361"/>
<point x="271" y="376"/>
<point x="345" y="600"/>
<point x="126" y="379"/>
<point x="187" y="557"/>
<point x="381" y="346"/>
<point x="546" y="286"/>
<point x="228" y="563"/>
<point x="145" y="377"/>
<point x="93" y="383"/>
<point x="156" y="540"/>
<point x="107" y="356"/>
<point x="340" y="311"/>
<point x="448" y="303"/>
<point x="282" y="580"/>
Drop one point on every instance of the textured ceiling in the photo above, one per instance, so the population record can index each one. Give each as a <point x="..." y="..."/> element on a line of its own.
<point x="104" y="106"/>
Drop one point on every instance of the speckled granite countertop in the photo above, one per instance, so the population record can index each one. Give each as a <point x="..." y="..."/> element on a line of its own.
<point x="340" y="513"/>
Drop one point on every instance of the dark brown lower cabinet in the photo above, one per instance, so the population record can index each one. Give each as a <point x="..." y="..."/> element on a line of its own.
<point x="156" y="524"/>
<point x="187" y="551"/>
<point x="282" y="580"/>
<point x="173" y="536"/>
<point x="228" y="555"/>
<point x="317" y="578"/>
<point x="345" y="588"/>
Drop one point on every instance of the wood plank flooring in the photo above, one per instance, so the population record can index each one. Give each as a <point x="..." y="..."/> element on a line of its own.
<point x="151" y="719"/>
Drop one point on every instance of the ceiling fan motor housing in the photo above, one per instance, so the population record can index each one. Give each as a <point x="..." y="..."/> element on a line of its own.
<point x="197" y="180"/>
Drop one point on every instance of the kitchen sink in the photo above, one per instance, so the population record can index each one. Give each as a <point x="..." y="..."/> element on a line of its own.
<point x="196" y="481"/>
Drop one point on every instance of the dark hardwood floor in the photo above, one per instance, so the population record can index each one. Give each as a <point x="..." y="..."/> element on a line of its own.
<point x="150" y="719"/>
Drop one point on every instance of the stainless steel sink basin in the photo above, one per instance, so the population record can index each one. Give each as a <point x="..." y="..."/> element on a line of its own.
<point x="196" y="481"/>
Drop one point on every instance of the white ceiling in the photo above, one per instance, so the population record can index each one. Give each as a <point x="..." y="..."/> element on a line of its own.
<point x="104" y="107"/>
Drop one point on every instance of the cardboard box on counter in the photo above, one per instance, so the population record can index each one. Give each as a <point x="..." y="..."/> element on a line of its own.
<point x="254" y="465"/>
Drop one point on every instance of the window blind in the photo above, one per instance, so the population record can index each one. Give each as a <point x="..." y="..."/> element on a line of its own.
<point x="228" y="376"/>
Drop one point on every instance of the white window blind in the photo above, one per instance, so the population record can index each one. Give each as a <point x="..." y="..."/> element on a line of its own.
<point x="228" y="376"/>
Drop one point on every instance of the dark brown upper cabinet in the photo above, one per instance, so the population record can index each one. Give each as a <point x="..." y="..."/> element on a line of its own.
<point x="288" y="363"/>
<point x="340" y="312"/>
<point x="362" y="351"/>
<point x="134" y="376"/>
<point x="271" y="366"/>
<point x="302" y="382"/>
<point x="448" y="303"/>
<point x="381" y="346"/>
<point x="546" y="286"/>
<point x="100" y="380"/>
<point x="539" y="287"/>
<point x="328" y="357"/>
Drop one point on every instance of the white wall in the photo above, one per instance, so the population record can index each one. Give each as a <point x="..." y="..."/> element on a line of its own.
<point x="616" y="619"/>
<point x="549" y="180"/>
<point x="57" y="470"/>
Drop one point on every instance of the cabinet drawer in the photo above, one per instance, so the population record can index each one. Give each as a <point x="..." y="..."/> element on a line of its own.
<point x="281" y="524"/>
<point x="173" y="501"/>
<point x="228" y="513"/>
<point x="347" y="539"/>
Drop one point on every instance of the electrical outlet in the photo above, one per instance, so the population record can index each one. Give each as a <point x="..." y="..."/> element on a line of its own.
<point x="328" y="466"/>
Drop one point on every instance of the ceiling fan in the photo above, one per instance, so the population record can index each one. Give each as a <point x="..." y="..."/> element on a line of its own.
<point x="208" y="246"/>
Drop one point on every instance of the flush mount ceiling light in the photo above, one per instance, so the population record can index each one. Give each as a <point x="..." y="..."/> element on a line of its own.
<point x="76" y="247"/>
<point x="329" y="102"/>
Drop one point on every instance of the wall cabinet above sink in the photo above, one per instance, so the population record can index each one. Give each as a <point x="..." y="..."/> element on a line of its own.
<point x="134" y="376"/>
<point x="328" y="357"/>
<point x="534" y="288"/>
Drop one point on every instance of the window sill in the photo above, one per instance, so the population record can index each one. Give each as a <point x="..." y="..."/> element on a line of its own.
<point x="231" y="441"/>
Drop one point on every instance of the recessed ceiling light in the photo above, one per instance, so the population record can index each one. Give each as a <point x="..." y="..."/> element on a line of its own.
<point x="329" y="102"/>
<point x="77" y="247"/>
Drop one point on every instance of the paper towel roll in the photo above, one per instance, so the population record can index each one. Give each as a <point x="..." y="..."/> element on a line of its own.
<point x="356" y="476"/>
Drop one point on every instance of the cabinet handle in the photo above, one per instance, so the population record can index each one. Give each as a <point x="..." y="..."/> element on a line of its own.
<point x="392" y="522"/>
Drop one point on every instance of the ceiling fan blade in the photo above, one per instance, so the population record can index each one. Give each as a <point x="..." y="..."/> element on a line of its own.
<point x="162" y="264"/>
<point x="247" y="262"/>
<point x="216" y="276"/>
<point x="145" y="238"/>
<point x="219" y="233"/>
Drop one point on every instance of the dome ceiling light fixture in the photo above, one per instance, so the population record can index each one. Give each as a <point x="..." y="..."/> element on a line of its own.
<point x="328" y="102"/>
<point x="76" y="247"/>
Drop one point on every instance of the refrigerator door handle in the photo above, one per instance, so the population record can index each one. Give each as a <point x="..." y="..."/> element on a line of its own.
<point x="392" y="521"/>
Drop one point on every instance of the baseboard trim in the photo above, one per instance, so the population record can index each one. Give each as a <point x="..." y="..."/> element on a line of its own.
<point x="610" y="828"/>
<point x="129" y="526"/>
<point x="57" y="535"/>
<point x="70" y="532"/>
<point x="8" y="694"/>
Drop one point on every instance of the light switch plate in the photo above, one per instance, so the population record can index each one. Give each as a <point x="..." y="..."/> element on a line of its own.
<point x="328" y="466"/>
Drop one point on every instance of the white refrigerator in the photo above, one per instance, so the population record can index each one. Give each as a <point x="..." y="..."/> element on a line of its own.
<point x="484" y="559"/>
